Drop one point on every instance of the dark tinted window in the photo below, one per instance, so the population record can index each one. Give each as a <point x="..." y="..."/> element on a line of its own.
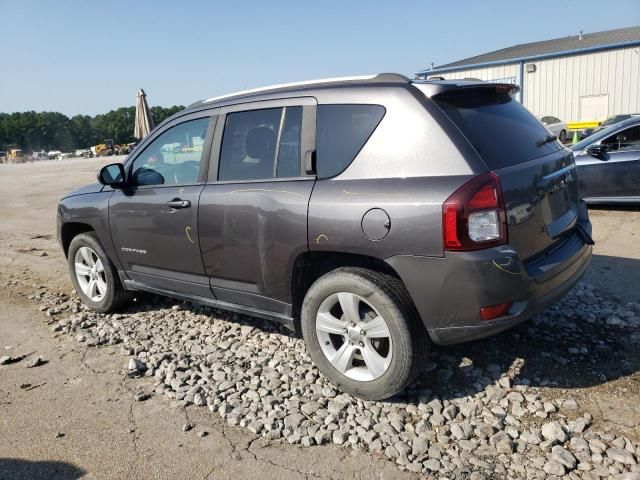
<point x="342" y="130"/>
<point x="249" y="144"/>
<point x="173" y="158"/>
<point x="501" y="130"/>
<point x="289" y="151"/>
<point x="626" y="140"/>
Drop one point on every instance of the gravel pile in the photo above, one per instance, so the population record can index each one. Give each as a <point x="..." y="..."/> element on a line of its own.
<point x="477" y="411"/>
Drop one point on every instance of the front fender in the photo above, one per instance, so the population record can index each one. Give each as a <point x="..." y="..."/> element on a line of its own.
<point x="90" y="210"/>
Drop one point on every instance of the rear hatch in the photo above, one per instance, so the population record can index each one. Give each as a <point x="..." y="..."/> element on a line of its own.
<point x="537" y="174"/>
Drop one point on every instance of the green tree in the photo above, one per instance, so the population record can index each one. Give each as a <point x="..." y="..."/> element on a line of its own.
<point x="32" y="131"/>
<point x="160" y="114"/>
<point x="83" y="132"/>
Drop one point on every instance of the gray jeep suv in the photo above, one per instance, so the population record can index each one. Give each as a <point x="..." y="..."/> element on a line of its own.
<point x="374" y="214"/>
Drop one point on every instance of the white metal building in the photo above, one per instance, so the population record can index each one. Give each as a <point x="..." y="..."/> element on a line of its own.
<point x="578" y="78"/>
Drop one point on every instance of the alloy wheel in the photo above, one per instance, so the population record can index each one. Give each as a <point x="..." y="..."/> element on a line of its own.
<point x="353" y="336"/>
<point x="90" y="274"/>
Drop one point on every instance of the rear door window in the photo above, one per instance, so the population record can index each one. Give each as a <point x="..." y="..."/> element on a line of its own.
<point x="289" y="149"/>
<point x="261" y="144"/>
<point x="501" y="130"/>
<point x="342" y="131"/>
<point x="249" y="145"/>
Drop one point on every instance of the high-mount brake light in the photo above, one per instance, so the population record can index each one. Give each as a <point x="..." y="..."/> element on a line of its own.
<point x="474" y="216"/>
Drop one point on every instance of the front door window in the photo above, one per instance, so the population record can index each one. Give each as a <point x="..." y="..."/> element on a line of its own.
<point x="624" y="141"/>
<point x="174" y="157"/>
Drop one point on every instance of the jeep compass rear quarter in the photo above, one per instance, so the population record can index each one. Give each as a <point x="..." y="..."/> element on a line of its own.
<point x="377" y="214"/>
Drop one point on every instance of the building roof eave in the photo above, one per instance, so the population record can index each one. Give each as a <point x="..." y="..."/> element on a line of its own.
<point x="517" y="60"/>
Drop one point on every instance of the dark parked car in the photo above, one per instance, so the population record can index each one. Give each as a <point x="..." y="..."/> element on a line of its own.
<point x="606" y="123"/>
<point x="608" y="164"/>
<point x="375" y="214"/>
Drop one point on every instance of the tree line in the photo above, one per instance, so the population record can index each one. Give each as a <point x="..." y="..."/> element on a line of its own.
<point x="35" y="131"/>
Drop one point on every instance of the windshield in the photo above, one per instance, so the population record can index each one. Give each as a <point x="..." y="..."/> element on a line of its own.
<point x="612" y="120"/>
<point x="599" y="135"/>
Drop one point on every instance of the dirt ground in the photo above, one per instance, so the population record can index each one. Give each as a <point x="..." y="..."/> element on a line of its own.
<point x="75" y="416"/>
<point x="616" y="260"/>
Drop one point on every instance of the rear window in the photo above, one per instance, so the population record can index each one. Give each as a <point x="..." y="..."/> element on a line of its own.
<point x="501" y="130"/>
<point x="341" y="131"/>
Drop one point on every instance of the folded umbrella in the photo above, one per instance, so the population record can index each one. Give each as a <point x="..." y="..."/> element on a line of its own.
<point x="144" y="120"/>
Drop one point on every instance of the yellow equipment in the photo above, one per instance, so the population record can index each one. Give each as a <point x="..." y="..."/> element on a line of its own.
<point x="101" y="150"/>
<point x="15" y="156"/>
<point x="122" y="149"/>
<point x="105" y="149"/>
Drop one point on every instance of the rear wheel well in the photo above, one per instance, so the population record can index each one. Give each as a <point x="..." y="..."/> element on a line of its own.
<point x="71" y="230"/>
<point x="310" y="266"/>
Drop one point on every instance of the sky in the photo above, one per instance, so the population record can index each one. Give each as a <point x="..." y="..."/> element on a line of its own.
<point x="89" y="57"/>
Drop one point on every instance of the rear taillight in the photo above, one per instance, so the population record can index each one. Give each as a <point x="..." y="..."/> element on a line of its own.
<point x="474" y="217"/>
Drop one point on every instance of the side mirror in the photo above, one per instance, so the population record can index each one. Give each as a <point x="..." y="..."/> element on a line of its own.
<point x="112" y="175"/>
<point x="596" y="150"/>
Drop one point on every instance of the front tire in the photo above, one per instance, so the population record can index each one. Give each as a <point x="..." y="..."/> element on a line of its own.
<point x="94" y="276"/>
<point x="563" y="136"/>
<point x="363" y="332"/>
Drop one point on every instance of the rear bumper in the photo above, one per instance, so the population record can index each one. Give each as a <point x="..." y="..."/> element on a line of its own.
<point x="449" y="291"/>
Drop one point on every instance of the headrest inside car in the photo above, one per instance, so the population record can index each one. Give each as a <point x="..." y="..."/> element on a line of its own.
<point x="260" y="143"/>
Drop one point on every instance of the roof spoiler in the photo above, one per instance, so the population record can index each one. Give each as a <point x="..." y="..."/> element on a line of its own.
<point x="437" y="88"/>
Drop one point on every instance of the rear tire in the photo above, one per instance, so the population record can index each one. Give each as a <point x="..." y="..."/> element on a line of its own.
<point x="94" y="276"/>
<point x="377" y="354"/>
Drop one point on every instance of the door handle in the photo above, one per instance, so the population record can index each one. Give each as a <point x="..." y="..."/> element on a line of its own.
<point x="177" y="203"/>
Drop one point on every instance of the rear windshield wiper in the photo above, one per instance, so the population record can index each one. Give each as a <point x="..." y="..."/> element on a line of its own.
<point x="546" y="139"/>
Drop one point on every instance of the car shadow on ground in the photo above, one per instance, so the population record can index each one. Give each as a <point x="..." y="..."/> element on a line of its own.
<point x="615" y="207"/>
<point x="617" y="277"/>
<point x="564" y="355"/>
<point x="577" y="343"/>
<point x="20" y="469"/>
<point x="580" y="342"/>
